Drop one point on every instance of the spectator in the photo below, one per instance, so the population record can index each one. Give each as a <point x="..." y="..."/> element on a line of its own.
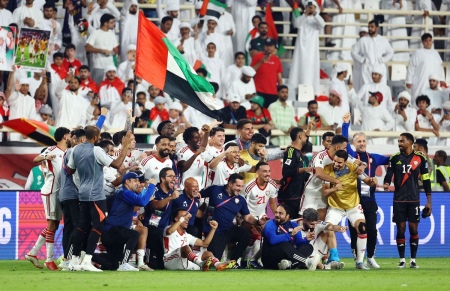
<point x="344" y="29"/>
<point x="215" y="67"/>
<point x="111" y="88"/>
<point x="70" y="60"/>
<point x="126" y="69"/>
<point x="253" y="33"/>
<point x="372" y="50"/>
<point x="244" y="87"/>
<point x="318" y="120"/>
<point x="425" y="120"/>
<point x="187" y="45"/>
<point x="332" y="111"/>
<point x="128" y="27"/>
<point x="242" y="12"/>
<point x="234" y="71"/>
<point x="118" y="114"/>
<point x="436" y="95"/>
<point x="404" y="115"/>
<point x="444" y="123"/>
<point x="28" y="15"/>
<point x="260" y="116"/>
<point x="357" y="66"/>
<point x="338" y="83"/>
<point x="103" y="45"/>
<point x="426" y="6"/>
<point x="257" y="44"/>
<point x="397" y="33"/>
<point x="158" y="113"/>
<point x="34" y="82"/>
<point x="78" y="31"/>
<point x="283" y="116"/>
<point x="423" y="63"/>
<point x="166" y="25"/>
<point x="103" y="7"/>
<point x="46" y="113"/>
<point x="305" y="68"/>
<point x="87" y="84"/>
<point x="141" y="97"/>
<point x="442" y="176"/>
<point x="268" y="72"/>
<point x="211" y="34"/>
<point x="6" y="17"/>
<point x="227" y="27"/>
<point x="49" y="23"/>
<point x="173" y="10"/>
<point x="233" y="112"/>
<point x="176" y="116"/>
<point x="377" y="86"/>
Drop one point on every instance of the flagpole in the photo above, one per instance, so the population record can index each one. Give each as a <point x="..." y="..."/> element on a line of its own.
<point x="133" y="103"/>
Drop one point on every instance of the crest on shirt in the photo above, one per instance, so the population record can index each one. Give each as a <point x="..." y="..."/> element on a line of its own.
<point x="415" y="163"/>
<point x="184" y="204"/>
<point x="236" y="200"/>
<point x="196" y="204"/>
<point x="267" y="193"/>
<point x="219" y="196"/>
<point x="288" y="162"/>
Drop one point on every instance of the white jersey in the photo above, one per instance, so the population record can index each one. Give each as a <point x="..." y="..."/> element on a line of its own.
<point x="257" y="198"/>
<point x="210" y="154"/>
<point x="198" y="169"/>
<point x="223" y="171"/>
<point x="176" y="240"/>
<point x="53" y="177"/>
<point x="109" y="175"/>
<point x="132" y="159"/>
<point x="151" y="166"/>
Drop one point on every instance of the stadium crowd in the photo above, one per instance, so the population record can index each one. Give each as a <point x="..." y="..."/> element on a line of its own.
<point x="200" y="202"/>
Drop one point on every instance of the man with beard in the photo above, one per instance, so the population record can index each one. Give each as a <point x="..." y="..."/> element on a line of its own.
<point x="377" y="86"/>
<point x="110" y="88"/>
<point x="189" y="200"/>
<point x="366" y="193"/>
<point x="87" y="84"/>
<point x="68" y="101"/>
<point x="224" y="204"/>
<point x="153" y="164"/>
<point x="404" y="115"/>
<point x="191" y="161"/>
<point x="284" y="246"/>
<point x="344" y="201"/>
<point x="257" y="44"/>
<point x="226" y="164"/>
<point x="54" y="158"/>
<point x="406" y="166"/>
<point x="283" y="116"/>
<point x="244" y="88"/>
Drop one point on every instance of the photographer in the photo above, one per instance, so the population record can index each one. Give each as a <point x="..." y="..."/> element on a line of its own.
<point x="403" y="114"/>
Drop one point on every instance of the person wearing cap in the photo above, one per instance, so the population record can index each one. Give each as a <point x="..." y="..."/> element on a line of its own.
<point x="117" y="237"/>
<point x="126" y="69"/>
<point x="233" y="112"/>
<point x="173" y="10"/>
<point x="426" y="121"/>
<point x="283" y="116"/>
<point x="260" y="116"/>
<point x="102" y="44"/>
<point x="339" y="83"/>
<point x="243" y="12"/>
<point x="376" y="86"/>
<point x="118" y="113"/>
<point x="234" y="71"/>
<point x="257" y="44"/>
<point x="28" y="15"/>
<point x="21" y="104"/>
<point x="45" y="113"/>
<point x="376" y="117"/>
<point x="357" y="66"/>
<point x="212" y="35"/>
<point x="436" y="94"/>
<point x="111" y="88"/>
<point x="268" y="72"/>
<point x="128" y="27"/>
<point x="215" y="67"/>
<point x="305" y="68"/>
<point x="188" y="45"/>
<point x="372" y="50"/>
<point x="404" y="115"/>
<point x="423" y="63"/>
<point x="244" y="88"/>
<point x="332" y="111"/>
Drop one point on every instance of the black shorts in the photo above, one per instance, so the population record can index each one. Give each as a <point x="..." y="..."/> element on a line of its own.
<point x="406" y="211"/>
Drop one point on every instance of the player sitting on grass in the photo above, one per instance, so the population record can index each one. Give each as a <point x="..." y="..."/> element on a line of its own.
<point x="178" y="253"/>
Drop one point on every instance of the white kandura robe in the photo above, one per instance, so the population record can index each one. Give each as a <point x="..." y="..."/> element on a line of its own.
<point x="371" y="51"/>
<point x="191" y="48"/>
<point x="376" y="118"/>
<point x="74" y="109"/>
<point x="128" y="29"/>
<point x="233" y="73"/>
<point x="241" y="89"/>
<point x="125" y="72"/>
<point x="118" y="113"/>
<point x="225" y="24"/>
<point x="21" y="106"/>
<point x="422" y="64"/>
<point x="242" y="11"/>
<point x="421" y="5"/>
<point x="305" y="68"/>
<point x="217" y="38"/>
<point x="79" y="41"/>
<point x="22" y="12"/>
<point x="6" y="17"/>
<point x="399" y="32"/>
<point x="343" y="30"/>
<point x="216" y="69"/>
<point x="363" y="94"/>
<point x="341" y="87"/>
<point x="109" y="95"/>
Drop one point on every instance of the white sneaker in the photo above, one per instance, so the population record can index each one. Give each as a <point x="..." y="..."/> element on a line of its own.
<point x="335" y="265"/>
<point x="371" y="263"/>
<point x="312" y="262"/>
<point x="64" y="266"/>
<point x="144" y="267"/>
<point x="361" y="266"/>
<point x="127" y="268"/>
<point x="87" y="266"/>
<point x="284" y="264"/>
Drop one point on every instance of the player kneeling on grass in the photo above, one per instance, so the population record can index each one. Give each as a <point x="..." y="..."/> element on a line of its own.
<point x="324" y="239"/>
<point x="344" y="201"/>
<point x="178" y="253"/>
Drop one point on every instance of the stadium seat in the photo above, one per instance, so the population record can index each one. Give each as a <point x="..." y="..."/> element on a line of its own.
<point x="305" y="93"/>
<point x="398" y="72"/>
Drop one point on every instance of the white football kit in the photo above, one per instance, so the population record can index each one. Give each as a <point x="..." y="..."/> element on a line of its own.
<point x="151" y="166"/>
<point x="198" y="169"/>
<point x="50" y="190"/>
<point x="172" y="250"/>
<point x="223" y="171"/>
<point x="257" y="198"/>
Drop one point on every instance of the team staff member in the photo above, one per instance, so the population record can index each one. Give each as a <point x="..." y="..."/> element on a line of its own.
<point x="284" y="246"/>
<point x="225" y="203"/>
<point x="405" y="167"/>
<point x="294" y="172"/>
<point x="366" y="193"/>
<point x="189" y="200"/>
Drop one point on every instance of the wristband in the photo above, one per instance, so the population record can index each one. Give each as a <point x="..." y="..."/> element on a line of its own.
<point x="181" y="219"/>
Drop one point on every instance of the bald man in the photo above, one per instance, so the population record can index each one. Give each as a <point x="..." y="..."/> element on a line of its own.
<point x="189" y="200"/>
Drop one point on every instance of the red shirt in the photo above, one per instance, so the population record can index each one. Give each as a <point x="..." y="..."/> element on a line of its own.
<point x="90" y="84"/>
<point x="75" y="64"/>
<point x="266" y="78"/>
<point x="263" y="118"/>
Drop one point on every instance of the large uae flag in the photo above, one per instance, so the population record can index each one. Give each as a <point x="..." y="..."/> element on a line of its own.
<point x="160" y="63"/>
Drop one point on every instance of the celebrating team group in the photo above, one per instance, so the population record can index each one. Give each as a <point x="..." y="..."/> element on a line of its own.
<point x="201" y="203"/>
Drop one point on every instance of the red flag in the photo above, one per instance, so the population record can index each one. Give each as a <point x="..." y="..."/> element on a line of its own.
<point x="204" y="8"/>
<point x="270" y="23"/>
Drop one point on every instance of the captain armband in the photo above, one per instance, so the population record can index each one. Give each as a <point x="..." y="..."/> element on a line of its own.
<point x="425" y="177"/>
<point x="362" y="176"/>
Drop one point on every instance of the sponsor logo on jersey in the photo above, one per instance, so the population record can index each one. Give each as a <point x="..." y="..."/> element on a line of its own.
<point x="184" y="204"/>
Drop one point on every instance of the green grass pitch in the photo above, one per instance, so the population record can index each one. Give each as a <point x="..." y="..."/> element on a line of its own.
<point x="433" y="274"/>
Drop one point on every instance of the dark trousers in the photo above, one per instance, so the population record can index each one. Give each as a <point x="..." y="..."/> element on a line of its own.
<point x="116" y="237"/>
<point x="92" y="213"/>
<point x="156" y="246"/>
<point x="105" y="261"/>
<point x="370" y="212"/>
<point x="273" y="254"/>
<point x="71" y="211"/>
<point x="235" y="234"/>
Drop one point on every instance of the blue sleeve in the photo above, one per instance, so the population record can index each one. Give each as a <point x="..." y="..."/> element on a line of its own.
<point x="380" y="159"/>
<point x="244" y="209"/>
<point x="138" y="200"/>
<point x="207" y="191"/>
<point x="100" y="121"/>
<point x="269" y="232"/>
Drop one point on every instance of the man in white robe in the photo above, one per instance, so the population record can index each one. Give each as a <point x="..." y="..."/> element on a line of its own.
<point x="404" y="115"/>
<point x="172" y="10"/>
<point x="126" y="69"/>
<point x="100" y="8"/>
<point x="117" y="116"/>
<point x="227" y="27"/>
<point x="425" y="6"/>
<point x="6" y="17"/>
<point x="128" y="27"/>
<point x="305" y="68"/>
<point x="216" y="69"/>
<point x="357" y="66"/>
<point x="372" y="50"/>
<point x="339" y="84"/>
<point x="376" y="86"/>
<point x="234" y="71"/>
<point x="436" y="94"/>
<point x="242" y="11"/>
<point x="244" y="87"/>
<point x="49" y="23"/>
<point x="422" y="64"/>
<point x="332" y="111"/>
<point x="343" y="30"/>
<point x="399" y="32"/>
<point x="28" y="15"/>
<point x="110" y="90"/>
<point x="209" y="34"/>
<point x="187" y="45"/>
